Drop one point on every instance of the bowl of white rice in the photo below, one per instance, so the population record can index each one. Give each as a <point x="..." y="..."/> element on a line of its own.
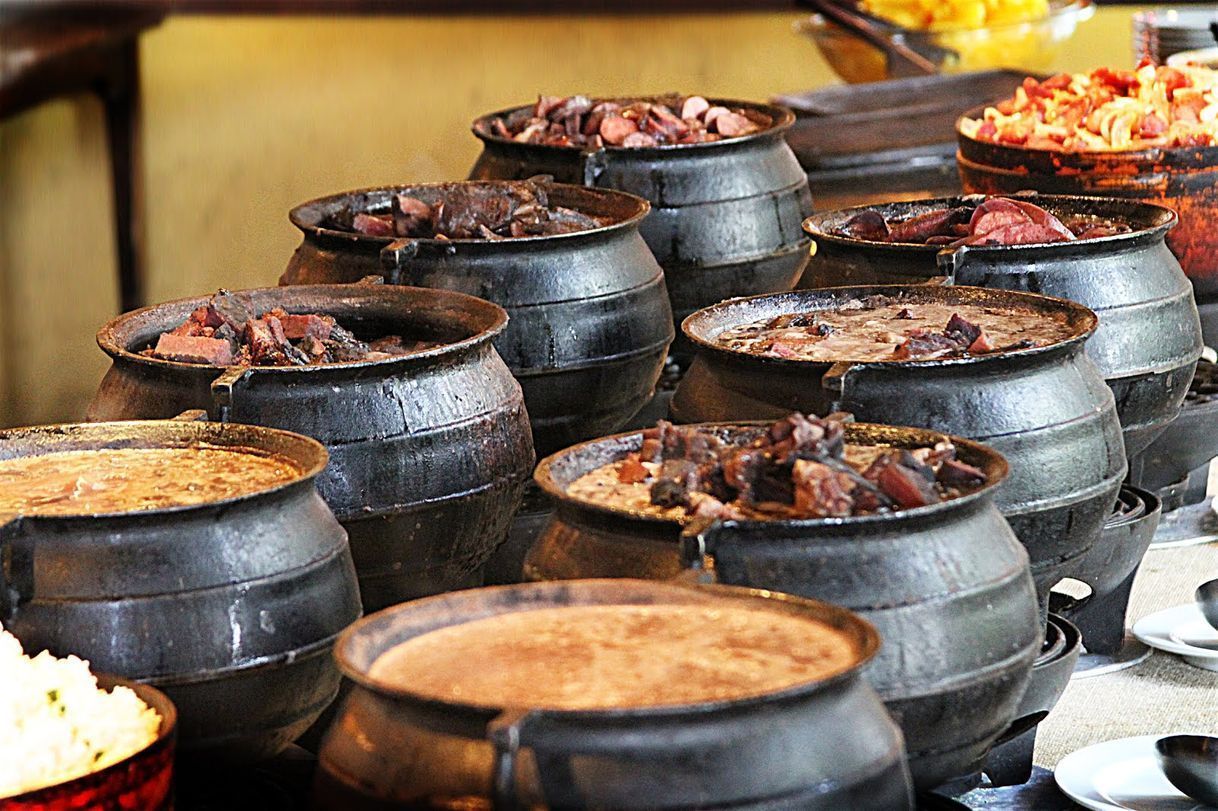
<point x="70" y="738"/>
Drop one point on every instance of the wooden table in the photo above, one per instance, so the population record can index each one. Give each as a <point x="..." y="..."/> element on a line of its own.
<point x="64" y="51"/>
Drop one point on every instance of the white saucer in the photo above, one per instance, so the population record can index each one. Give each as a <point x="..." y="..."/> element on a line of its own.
<point x="1121" y="774"/>
<point x="1156" y="630"/>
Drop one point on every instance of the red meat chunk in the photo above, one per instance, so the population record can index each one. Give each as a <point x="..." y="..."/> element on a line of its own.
<point x="194" y="349"/>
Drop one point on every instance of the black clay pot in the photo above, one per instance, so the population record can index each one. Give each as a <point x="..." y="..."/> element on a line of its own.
<point x="947" y="586"/>
<point x="429" y="452"/>
<point x="1149" y="336"/>
<point x="231" y="608"/>
<point x="822" y="746"/>
<point x="724" y="217"/>
<point x="1047" y="410"/>
<point x="588" y="324"/>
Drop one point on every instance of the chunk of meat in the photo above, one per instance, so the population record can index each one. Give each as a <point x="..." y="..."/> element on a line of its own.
<point x="820" y="491"/>
<point x="193" y="349"/>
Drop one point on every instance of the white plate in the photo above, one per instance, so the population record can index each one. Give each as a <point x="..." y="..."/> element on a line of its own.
<point x="1156" y="630"/>
<point x="1120" y="774"/>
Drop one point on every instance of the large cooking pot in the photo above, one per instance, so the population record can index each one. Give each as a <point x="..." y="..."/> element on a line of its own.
<point x="589" y="321"/>
<point x="429" y="452"/>
<point x="1047" y="410"/>
<point x="1149" y="337"/>
<point x="725" y="214"/>
<point x="1184" y="179"/>
<point x="824" y="745"/>
<point x="230" y="607"/>
<point x="947" y="586"/>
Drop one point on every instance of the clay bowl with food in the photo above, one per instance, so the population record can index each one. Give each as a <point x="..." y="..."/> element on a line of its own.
<point x="612" y="694"/>
<point x="1106" y="254"/>
<point x="588" y="316"/>
<point x="194" y="556"/>
<point x="1183" y="177"/>
<point x="143" y="779"/>
<point x="429" y="441"/>
<point x="725" y="213"/>
<point x="1028" y="390"/>
<point x="947" y="584"/>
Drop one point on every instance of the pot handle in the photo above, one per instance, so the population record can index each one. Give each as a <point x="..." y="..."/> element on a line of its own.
<point x="394" y="258"/>
<point x="193" y="415"/>
<point x="222" y="391"/>
<point x="952" y="264"/>
<point x="835" y="380"/>
<point x="592" y="164"/>
<point x="506" y="732"/>
<point x="698" y="551"/>
<point x="16" y="570"/>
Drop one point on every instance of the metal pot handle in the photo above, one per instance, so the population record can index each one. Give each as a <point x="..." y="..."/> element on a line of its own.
<point x="506" y="733"/>
<point x="698" y="551"/>
<point x="16" y="572"/>
<point x="951" y="262"/>
<point x="592" y="164"/>
<point x="222" y="391"/>
<point x="835" y="380"/>
<point x="395" y="256"/>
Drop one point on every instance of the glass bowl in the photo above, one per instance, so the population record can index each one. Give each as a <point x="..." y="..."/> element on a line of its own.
<point x="1030" y="46"/>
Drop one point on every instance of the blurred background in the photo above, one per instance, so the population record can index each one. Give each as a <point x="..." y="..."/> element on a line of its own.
<point x="244" y="116"/>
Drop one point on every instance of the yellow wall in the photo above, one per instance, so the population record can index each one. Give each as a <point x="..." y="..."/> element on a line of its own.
<point x="245" y="117"/>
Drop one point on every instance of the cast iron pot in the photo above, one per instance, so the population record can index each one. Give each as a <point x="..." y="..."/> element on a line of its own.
<point x="429" y="453"/>
<point x="1149" y="336"/>
<point x="1185" y="179"/>
<point x="824" y="745"/>
<point x="947" y="586"/>
<point x="1047" y="410"/>
<point x="231" y="607"/>
<point x="725" y="215"/>
<point x="589" y="322"/>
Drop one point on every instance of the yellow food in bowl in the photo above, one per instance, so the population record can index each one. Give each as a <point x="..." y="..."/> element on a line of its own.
<point x="952" y="15"/>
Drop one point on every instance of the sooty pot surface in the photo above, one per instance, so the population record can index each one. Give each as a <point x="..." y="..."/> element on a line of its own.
<point x="589" y="320"/>
<point x="822" y="745"/>
<point x="429" y="452"/>
<point x="231" y="608"/>
<point x="725" y="214"/>
<point x="948" y="587"/>
<point x="1046" y="409"/>
<point x="1149" y="336"/>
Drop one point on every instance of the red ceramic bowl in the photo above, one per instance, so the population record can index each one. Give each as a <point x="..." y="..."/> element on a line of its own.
<point x="140" y="782"/>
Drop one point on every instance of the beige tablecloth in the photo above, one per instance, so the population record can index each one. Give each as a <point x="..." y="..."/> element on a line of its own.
<point x="1161" y="695"/>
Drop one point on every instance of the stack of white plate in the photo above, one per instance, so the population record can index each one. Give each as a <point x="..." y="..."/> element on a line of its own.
<point x="1160" y="33"/>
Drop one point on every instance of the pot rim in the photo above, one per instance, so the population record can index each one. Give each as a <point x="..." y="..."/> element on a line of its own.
<point x="995" y="465"/>
<point x="783" y="118"/>
<point x="1086" y="323"/>
<point x="166" y="735"/>
<point x="1152" y="154"/>
<point x="308" y="216"/>
<point x="163" y="433"/>
<point x="814" y="225"/>
<point x="494" y="320"/>
<point x="863" y="631"/>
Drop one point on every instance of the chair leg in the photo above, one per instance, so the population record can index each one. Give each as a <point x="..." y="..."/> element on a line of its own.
<point x="121" y="99"/>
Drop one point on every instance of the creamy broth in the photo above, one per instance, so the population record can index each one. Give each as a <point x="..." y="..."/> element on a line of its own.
<point x="861" y="333"/>
<point x="112" y="480"/>
<point x="604" y="657"/>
